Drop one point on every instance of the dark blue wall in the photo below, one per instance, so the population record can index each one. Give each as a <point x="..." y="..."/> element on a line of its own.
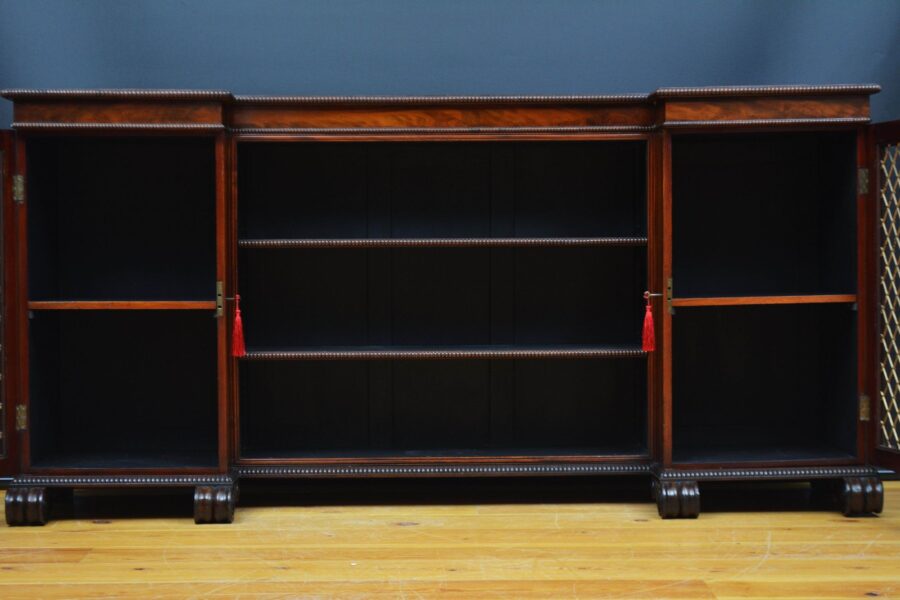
<point x="449" y="46"/>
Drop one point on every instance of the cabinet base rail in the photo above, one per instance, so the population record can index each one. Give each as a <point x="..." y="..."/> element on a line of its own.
<point x="854" y="490"/>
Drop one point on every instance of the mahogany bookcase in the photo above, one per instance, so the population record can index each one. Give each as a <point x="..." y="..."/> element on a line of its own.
<point x="449" y="287"/>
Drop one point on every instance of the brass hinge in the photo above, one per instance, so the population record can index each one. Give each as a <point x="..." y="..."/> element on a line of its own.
<point x="865" y="407"/>
<point x="220" y="299"/>
<point x="21" y="417"/>
<point x="18" y="189"/>
<point x="669" y="296"/>
<point x="862" y="181"/>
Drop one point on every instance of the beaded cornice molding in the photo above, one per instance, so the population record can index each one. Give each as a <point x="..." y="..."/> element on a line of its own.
<point x="102" y="94"/>
<point x="414" y="100"/>
<point x="766" y="90"/>
<point x="224" y="95"/>
<point x="119" y="126"/>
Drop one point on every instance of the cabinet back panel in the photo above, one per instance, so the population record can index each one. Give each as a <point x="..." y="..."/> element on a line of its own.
<point x="761" y="214"/>
<point x="447" y="296"/>
<point x="302" y="298"/>
<point x="411" y="407"/>
<point x="123" y="388"/>
<point x="582" y="403"/>
<point x="760" y="378"/>
<point x="484" y="189"/>
<point x="121" y="218"/>
<point x="302" y="190"/>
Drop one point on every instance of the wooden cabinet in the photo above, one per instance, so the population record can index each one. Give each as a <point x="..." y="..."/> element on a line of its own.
<point x="448" y="287"/>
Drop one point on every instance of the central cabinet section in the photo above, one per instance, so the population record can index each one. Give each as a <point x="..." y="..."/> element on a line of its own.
<point x="442" y="299"/>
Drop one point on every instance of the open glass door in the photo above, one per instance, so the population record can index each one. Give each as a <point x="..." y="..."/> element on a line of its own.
<point x="887" y="413"/>
<point x="7" y="399"/>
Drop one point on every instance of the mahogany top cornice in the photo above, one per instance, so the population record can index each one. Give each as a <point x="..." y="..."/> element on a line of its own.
<point x="413" y="116"/>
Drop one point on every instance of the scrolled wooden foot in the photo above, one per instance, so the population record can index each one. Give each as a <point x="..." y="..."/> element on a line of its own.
<point x="214" y="503"/>
<point x="26" y="506"/>
<point x="861" y="496"/>
<point x="678" y="499"/>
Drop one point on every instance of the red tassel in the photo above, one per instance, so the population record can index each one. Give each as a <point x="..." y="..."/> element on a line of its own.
<point x="649" y="340"/>
<point x="237" y="333"/>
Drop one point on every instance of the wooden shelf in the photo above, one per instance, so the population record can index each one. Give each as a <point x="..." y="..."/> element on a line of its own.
<point x="757" y="300"/>
<point x="442" y="242"/>
<point x="122" y="305"/>
<point x="447" y="353"/>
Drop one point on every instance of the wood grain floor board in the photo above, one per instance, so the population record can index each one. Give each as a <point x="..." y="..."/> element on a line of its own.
<point x="480" y="550"/>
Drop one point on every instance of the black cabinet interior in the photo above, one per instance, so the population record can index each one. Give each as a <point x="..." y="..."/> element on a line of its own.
<point x="121" y="218"/>
<point x="532" y="296"/>
<point x="764" y="383"/>
<point x="764" y="214"/>
<point x="443" y="408"/>
<point x="117" y="389"/>
<point x="444" y="296"/>
<point x="481" y="189"/>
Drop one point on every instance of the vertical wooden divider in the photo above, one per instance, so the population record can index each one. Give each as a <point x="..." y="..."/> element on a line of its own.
<point x="665" y="185"/>
<point x="221" y="325"/>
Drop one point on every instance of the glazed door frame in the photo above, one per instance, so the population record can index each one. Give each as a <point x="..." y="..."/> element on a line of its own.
<point x="884" y="188"/>
<point x="16" y="297"/>
<point x="865" y="306"/>
<point x="8" y="396"/>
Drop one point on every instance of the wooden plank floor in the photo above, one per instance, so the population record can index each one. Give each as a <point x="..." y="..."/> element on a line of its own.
<point x="490" y="549"/>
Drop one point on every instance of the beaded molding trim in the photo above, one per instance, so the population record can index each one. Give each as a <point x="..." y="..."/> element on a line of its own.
<point x="473" y="354"/>
<point x="743" y="122"/>
<point x="163" y="94"/>
<point x="419" y="100"/>
<point x="443" y="470"/>
<point x="765" y="90"/>
<point x="145" y="126"/>
<point x="673" y="92"/>
<point x="587" y="129"/>
<point x="440" y="243"/>
<point x="122" y="480"/>
<point x="766" y="473"/>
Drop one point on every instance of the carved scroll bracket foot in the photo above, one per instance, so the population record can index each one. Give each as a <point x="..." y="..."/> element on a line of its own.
<point x="214" y="503"/>
<point x="27" y="506"/>
<point x="862" y="496"/>
<point x="677" y="499"/>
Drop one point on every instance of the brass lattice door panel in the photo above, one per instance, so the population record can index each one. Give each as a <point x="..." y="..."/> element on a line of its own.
<point x="889" y="297"/>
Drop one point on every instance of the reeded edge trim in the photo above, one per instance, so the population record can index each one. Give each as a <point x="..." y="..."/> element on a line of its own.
<point x="440" y="242"/>
<point x="425" y="100"/>
<point x="405" y="354"/>
<point x="661" y="93"/>
<point x="126" y="93"/>
<point x="766" y="90"/>
<point x="442" y="130"/>
<point x="767" y="122"/>
<point x="121" y="480"/>
<point x="765" y="473"/>
<point x="144" y="126"/>
<point x="437" y="470"/>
